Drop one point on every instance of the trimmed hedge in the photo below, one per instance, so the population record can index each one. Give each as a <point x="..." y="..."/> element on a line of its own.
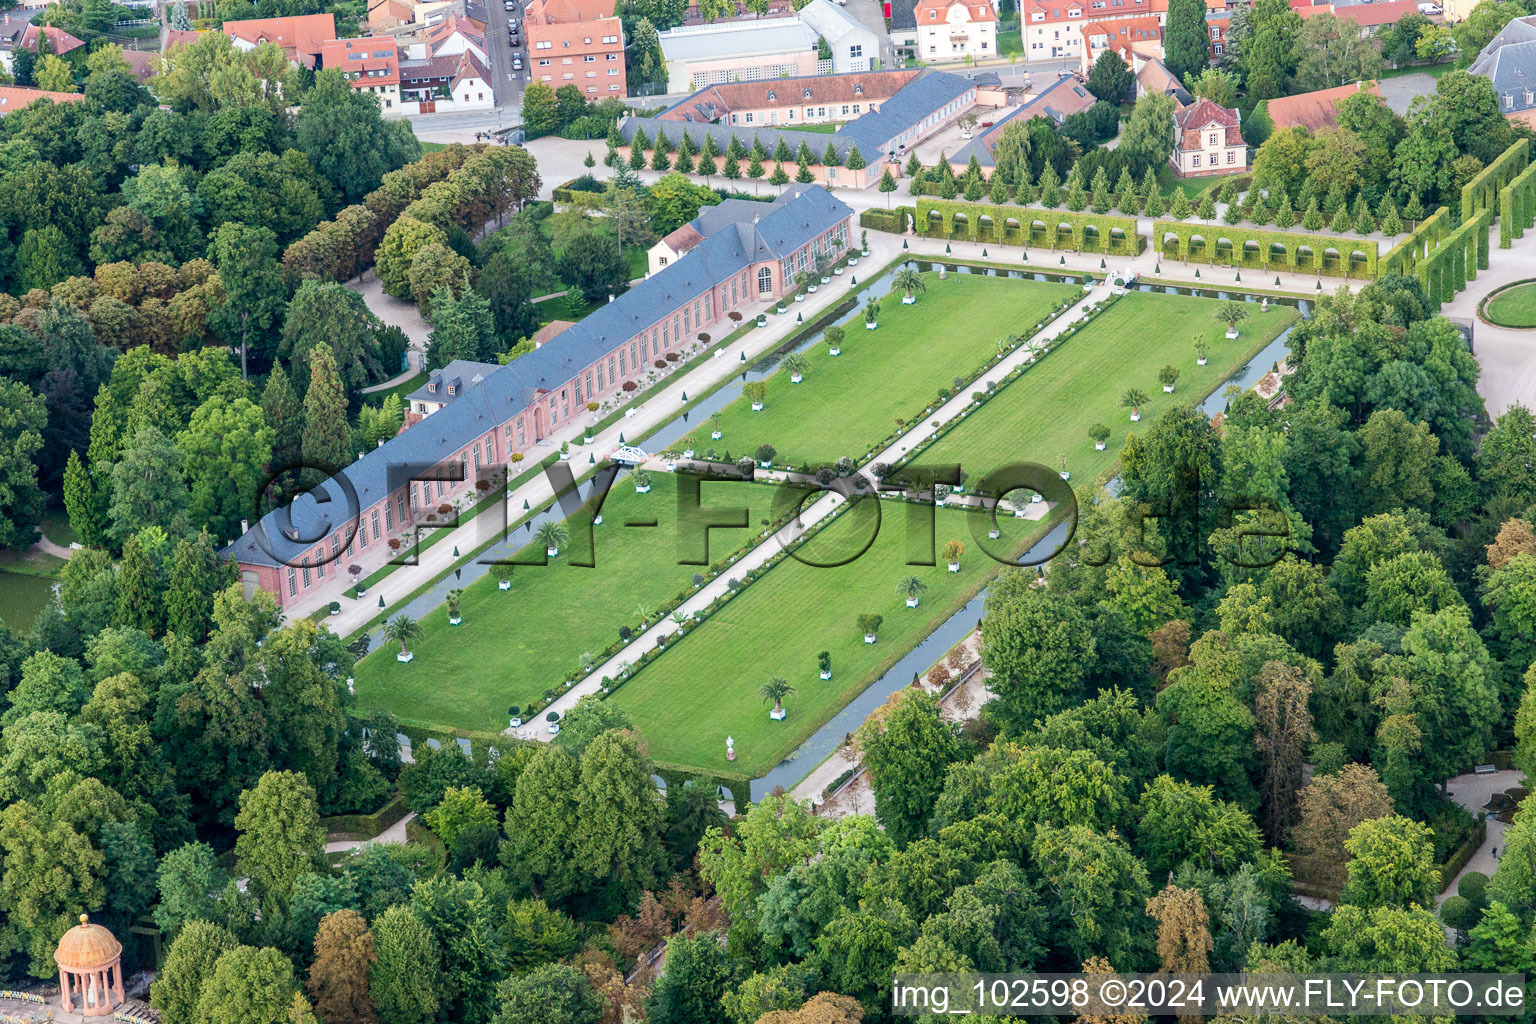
<point x="1481" y="191"/>
<point x="1189" y="241"/>
<point x="894" y="221"/>
<point x="1456" y="258"/>
<point x="1084" y="232"/>
<point x="1405" y="256"/>
<point x="1517" y="206"/>
<point x="366" y="826"/>
<point x="1463" y="853"/>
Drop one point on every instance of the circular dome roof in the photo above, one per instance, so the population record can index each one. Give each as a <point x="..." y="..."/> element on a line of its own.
<point x="87" y="945"/>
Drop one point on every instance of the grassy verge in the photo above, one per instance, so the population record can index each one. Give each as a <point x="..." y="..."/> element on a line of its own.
<point x="55" y="527"/>
<point x="706" y="686"/>
<point x="1046" y="413"/>
<point x="1514" y="306"/>
<point x="402" y="389"/>
<point x="847" y="403"/>
<point x="514" y="645"/>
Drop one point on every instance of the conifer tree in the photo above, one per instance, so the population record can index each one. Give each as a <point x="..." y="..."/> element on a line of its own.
<point x="1181" y="208"/>
<point x="1050" y="187"/>
<point x="280" y="406"/>
<point x="139" y="588"/>
<point x="1206" y="211"/>
<point x="1285" y="216"/>
<point x="82" y="502"/>
<point x="195" y="574"/>
<point x="1341" y="222"/>
<point x="326" y="432"/>
<point x="1313" y="219"/>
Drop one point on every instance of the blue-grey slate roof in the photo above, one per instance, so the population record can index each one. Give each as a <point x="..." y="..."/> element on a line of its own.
<point x="466" y="372"/>
<point x="1509" y="63"/>
<point x="809" y="212"/>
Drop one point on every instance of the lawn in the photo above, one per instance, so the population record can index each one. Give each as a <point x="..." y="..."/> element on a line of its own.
<point x="1513" y="307"/>
<point x="1192" y="187"/>
<point x="706" y="686"/>
<point x="634" y="255"/>
<point x="847" y="403"/>
<point x="1046" y="413"/>
<point x="1432" y="70"/>
<point x="513" y="645"/>
<point x="402" y="389"/>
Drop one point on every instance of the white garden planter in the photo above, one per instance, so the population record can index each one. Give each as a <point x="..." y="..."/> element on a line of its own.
<point x="1035" y="499"/>
<point x="1019" y="513"/>
<point x="552" y="552"/>
<point x="870" y="325"/>
<point x="1167" y="389"/>
<point x="781" y="308"/>
<point x="866" y="252"/>
<point x="597" y="520"/>
<point x="954" y="566"/>
<point x="994" y="534"/>
<point x="687" y="453"/>
<point x="1200" y="361"/>
<point x="587" y="440"/>
<point x="766" y="465"/>
<point x="907" y="300"/>
<point x="825" y="279"/>
<point x="941" y="502"/>
<point x="504" y="585"/>
<point x="812" y="288"/>
<point x="827" y="674"/>
<point x="870" y="638"/>
<point x="554" y="728"/>
<point x="762" y="321"/>
<point x="1099" y="446"/>
<point x="405" y="657"/>
<point x="795" y="378"/>
<point x="1065" y="474"/>
<point x="1231" y="333"/>
<point x="1135" y="417"/>
<point x="565" y="456"/>
<point x="912" y="602"/>
<point x="834" y="351"/>
<point x="714" y="435"/>
<point x="837" y="271"/>
<point x="455" y="620"/>
<point x="516" y="723"/>
<point x="777" y="714"/>
<point x="642" y="490"/>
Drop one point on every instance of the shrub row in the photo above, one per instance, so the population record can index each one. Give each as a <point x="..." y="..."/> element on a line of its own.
<point x="367" y="826"/>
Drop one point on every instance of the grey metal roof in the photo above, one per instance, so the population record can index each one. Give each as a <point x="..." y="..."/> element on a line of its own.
<point x="513" y="387"/>
<point x="731" y="212"/>
<point x="738" y="39"/>
<point x="832" y="22"/>
<point x="1509" y="63"/>
<point x="1043" y="105"/>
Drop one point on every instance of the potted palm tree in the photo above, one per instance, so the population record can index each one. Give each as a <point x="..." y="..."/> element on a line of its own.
<point x="402" y="629"/>
<point x="552" y="535"/>
<point x="952" y="552"/>
<point x="776" y="689"/>
<point x="869" y="625"/>
<point x="642" y="481"/>
<point x="834" y="340"/>
<point x="911" y="284"/>
<point x="1134" y="399"/>
<point x="714" y="426"/>
<point x="912" y="586"/>
<point x="824" y="663"/>
<point x="755" y="391"/>
<point x="802" y="285"/>
<point x="1100" y="434"/>
<point x="454" y="597"/>
<point x="821" y="269"/>
<point x="1199" y="352"/>
<point x="797" y="365"/>
<point x="1231" y="313"/>
<point x="871" y="314"/>
<point x="1169" y="375"/>
<point x="765" y="454"/>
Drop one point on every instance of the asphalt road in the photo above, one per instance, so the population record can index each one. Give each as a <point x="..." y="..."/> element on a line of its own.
<point x="508" y="84"/>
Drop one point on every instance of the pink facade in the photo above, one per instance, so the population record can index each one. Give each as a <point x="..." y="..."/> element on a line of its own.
<point x="395" y="514"/>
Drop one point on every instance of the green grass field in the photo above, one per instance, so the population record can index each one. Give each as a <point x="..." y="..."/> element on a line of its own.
<point x="1513" y="307"/>
<point x="706" y="686"/>
<point x="1047" y="412"/>
<point x="848" y="403"/>
<point x="515" y="644"/>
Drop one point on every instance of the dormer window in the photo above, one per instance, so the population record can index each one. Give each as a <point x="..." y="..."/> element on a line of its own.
<point x="432" y="386"/>
<point x="858" y="88"/>
<point x="772" y="95"/>
<point x="805" y="93"/>
<point x="452" y="390"/>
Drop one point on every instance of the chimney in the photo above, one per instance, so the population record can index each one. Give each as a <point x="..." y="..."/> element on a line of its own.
<point x="245" y="526"/>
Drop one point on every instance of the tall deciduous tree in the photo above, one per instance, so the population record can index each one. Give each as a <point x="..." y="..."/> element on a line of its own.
<point x="1038" y="649"/>
<point x="22" y="419"/>
<point x="906" y="749"/>
<point x="189" y="963"/>
<point x="1392" y="864"/>
<point x="341" y="131"/>
<point x="280" y="836"/>
<point x="254" y="294"/>
<point x="1284" y="733"/>
<point x="338" y="979"/>
<point x="405" y="979"/>
<point x="620" y="821"/>
<point x="1183" y="930"/>
<point x="1331" y="806"/>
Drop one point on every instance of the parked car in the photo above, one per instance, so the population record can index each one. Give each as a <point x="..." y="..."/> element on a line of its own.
<point x="517" y="63"/>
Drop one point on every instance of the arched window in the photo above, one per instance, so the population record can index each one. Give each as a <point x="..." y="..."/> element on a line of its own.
<point x="765" y="281"/>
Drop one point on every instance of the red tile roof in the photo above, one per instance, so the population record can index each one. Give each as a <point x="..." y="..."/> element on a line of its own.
<point x="1372" y="15"/>
<point x="1197" y="118"/>
<point x="59" y="41"/>
<point x="14" y="97"/>
<point x="354" y="57"/>
<point x="299" y="36"/>
<point x="1314" y="110"/>
<point x="563" y="12"/>
<point x="936" y="12"/>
